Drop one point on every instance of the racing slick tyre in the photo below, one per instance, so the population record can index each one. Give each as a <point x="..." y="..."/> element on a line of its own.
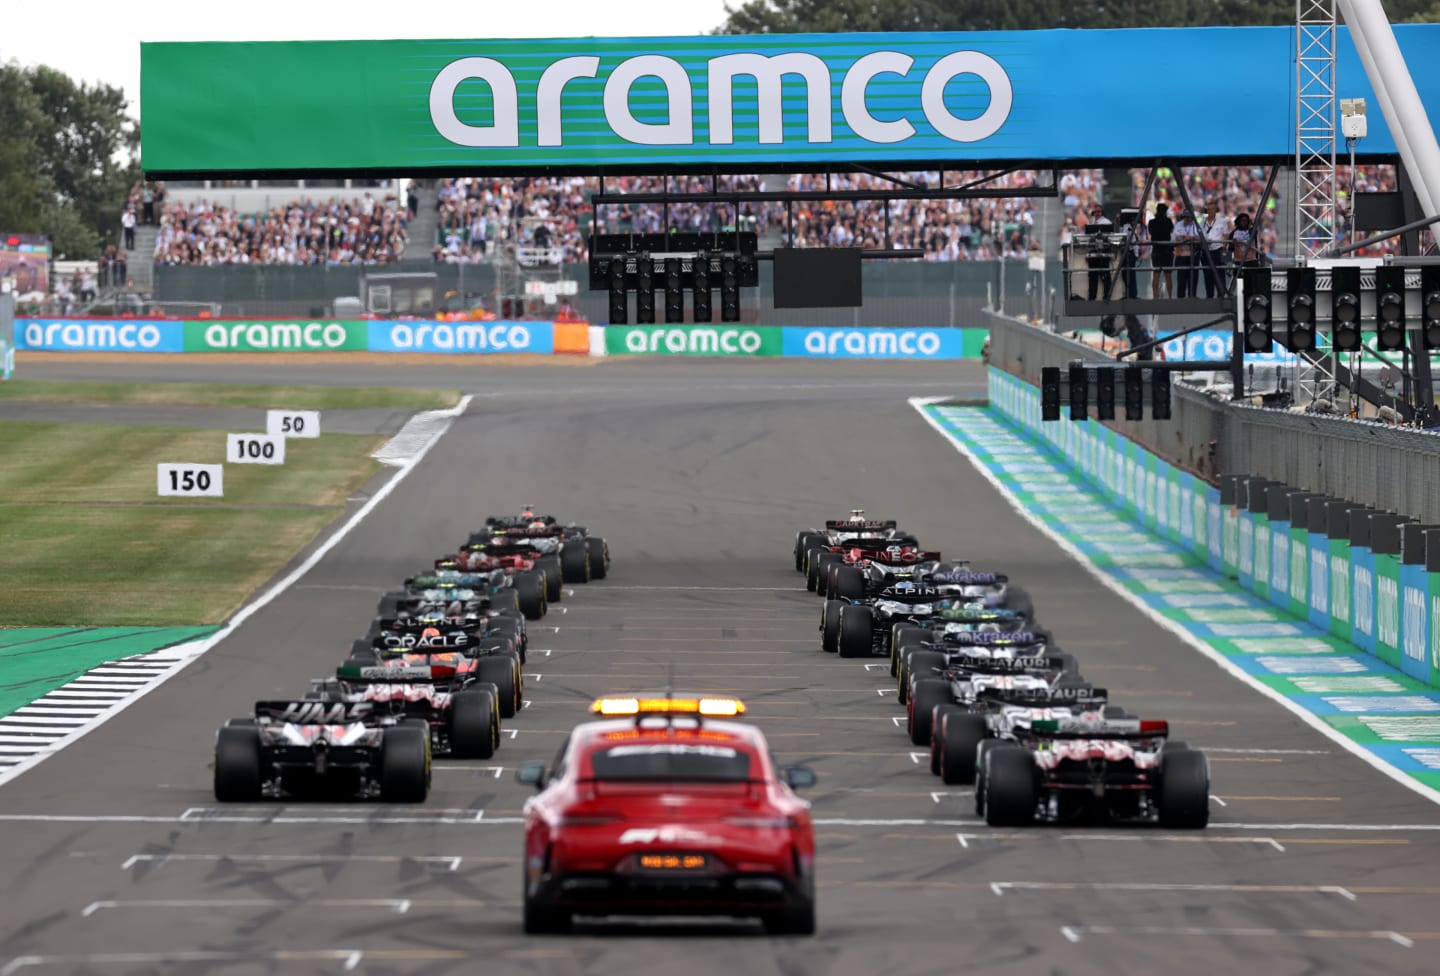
<point x="1018" y="600"/>
<point x="474" y="724"/>
<point x="903" y="539"/>
<point x="980" y="754"/>
<point x="849" y="583"/>
<point x="1184" y="800"/>
<point x="917" y="663"/>
<point x="942" y="714"/>
<point x="812" y="569"/>
<point x="554" y="578"/>
<point x="500" y="671"/>
<point x="599" y="553"/>
<point x="823" y="562"/>
<point x="405" y="765"/>
<point x="856" y="631"/>
<point x="900" y="635"/>
<point x="804" y="542"/>
<point x="830" y="626"/>
<point x="389" y="604"/>
<point x="1010" y="789"/>
<point x="960" y="739"/>
<point x="531" y="587"/>
<point x="796" y="920"/>
<point x="506" y="598"/>
<point x="928" y="693"/>
<point x="1069" y="667"/>
<point x="237" y="764"/>
<point x="361" y="648"/>
<point x="362" y="659"/>
<point x="574" y="562"/>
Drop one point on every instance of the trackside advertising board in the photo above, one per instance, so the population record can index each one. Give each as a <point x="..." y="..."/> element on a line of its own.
<point x="326" y="335"/>
<point x="414" y="105"/>
<point x="793" y="340"/>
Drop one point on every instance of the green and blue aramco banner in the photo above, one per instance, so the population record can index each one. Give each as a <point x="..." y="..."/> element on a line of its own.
<point x="397" y="106"/>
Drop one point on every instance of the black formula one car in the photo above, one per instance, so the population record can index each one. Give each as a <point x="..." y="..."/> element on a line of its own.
<point x="308" y="749"/>
<point x="964" y="678"/>
<point x="546" y="534"/>
<point x="474" y="658"/>
<point x="461" y="710"/>
<point x="841" y="532"/>
<point x="1082" y="767"/>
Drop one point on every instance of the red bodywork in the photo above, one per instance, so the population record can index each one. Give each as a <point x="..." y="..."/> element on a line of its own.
<point x="604" y="847"/>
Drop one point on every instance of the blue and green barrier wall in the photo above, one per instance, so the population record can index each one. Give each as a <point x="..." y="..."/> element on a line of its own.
<point x="1371" y="578"/>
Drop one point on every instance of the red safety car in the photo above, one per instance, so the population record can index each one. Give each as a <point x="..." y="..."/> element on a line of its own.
<point x="663" y="807"/>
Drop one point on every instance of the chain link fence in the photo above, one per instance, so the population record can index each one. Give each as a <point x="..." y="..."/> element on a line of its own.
<point x="1389" y="468"/>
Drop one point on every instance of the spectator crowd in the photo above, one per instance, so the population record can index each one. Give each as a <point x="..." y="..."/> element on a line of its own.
<point x="335" y="231"/>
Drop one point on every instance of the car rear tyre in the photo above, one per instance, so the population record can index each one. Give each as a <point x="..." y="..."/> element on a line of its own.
<point x="574" y="562"/>
<point x="531" y="588"/>
<point x="822" y="580"/>
<point x="929" y="692"/>
<point x="916" y="663"/>
<point x="363" y="660"/>
<point x="960" y="739"/>
<point x="1184" y="801"/>
<point x="500" y="672"/>
<point x="856" y="631"/>
<point x="812" y="568"/>
<point x="474" y="724"/>
<point x="942" y="715"/>
<point x="830" y="626"/>
<point x="405" y="765"/>
<point x="389" y="604"/>
<point x="980" y="761"/>
<point x="1010" y="788"/>
<point x="554" y="578"/>
<point x="804" y="542"/>
<point x="849" y="583"/>
<point x="237" y="764"/>
<point x="900" y="635"/>
<point x="1018" y="600"/>
<point x="599" y="552"/>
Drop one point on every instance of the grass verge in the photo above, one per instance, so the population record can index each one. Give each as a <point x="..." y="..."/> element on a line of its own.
<point x="86" y="542"/>
<point x="225" y="395"/>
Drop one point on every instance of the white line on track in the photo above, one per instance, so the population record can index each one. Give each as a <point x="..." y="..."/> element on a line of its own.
<point x="1074" y="933"/>
<point x="349" y="958"/>
<point x="1001" y="887"/>
<point x="156" y="673"/>
<point x="399" y="906"/>
<point x="1175" y="627"/>
<point x="451" y="863"/>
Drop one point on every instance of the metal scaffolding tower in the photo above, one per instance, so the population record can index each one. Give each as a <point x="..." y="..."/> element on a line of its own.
<point x="1315" y="224"/>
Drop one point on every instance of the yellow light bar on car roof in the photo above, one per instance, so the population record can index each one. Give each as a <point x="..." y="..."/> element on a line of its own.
<point x="715" y="707"/>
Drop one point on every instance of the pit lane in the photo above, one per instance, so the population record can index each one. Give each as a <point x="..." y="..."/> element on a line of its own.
<point x="117" y="858"/>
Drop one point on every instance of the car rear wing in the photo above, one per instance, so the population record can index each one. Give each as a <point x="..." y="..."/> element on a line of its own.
<point x="967" y="577"/>
<point x="1128" y="729"/>
<point x="995" y="638"/>
<point x="410" y="644"/>
<point x="860" y="525"/>
<point x="907" y="559"/>
<point x="1065" y="694"/>
<point x="1020" y="664"/>
<point x="310" y="712"/>
<point x="377" y="675"/>
<point x="448" y="577"/>
<point x="526" y="532"/>
<point x="976" y="615"/>
<point x="499" y="549"/>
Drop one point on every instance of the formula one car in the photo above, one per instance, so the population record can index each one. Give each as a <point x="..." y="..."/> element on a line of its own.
<point x="859" y="571"/>
<point x="974" y="644"/>
<point x="462" y="712"/>
<point x="489" y="660"/>
<point x="1002" y="707"/>
<point x="434" y="591"/>
<point x="472" y="616"/>
<point x="304" y="749"/>
<point x="509" y="559"/>
<point x="860" y="629"/>
<point x="549" y="535"/>
<point x="662" y="807"/>
<point x="961" y="679"/>
<point x="841" y="531"/>
<point x="1079" y="767"/>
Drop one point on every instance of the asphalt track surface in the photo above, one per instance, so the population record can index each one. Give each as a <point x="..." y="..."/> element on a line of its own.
<point x="699" y="478"/>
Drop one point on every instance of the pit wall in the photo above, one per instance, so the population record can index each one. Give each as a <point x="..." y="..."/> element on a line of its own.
<point x="479" y="338"/>
<point x="1386" y="604"/>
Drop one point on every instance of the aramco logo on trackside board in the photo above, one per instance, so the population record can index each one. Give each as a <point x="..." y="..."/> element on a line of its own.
<point x="721" y="105"/>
